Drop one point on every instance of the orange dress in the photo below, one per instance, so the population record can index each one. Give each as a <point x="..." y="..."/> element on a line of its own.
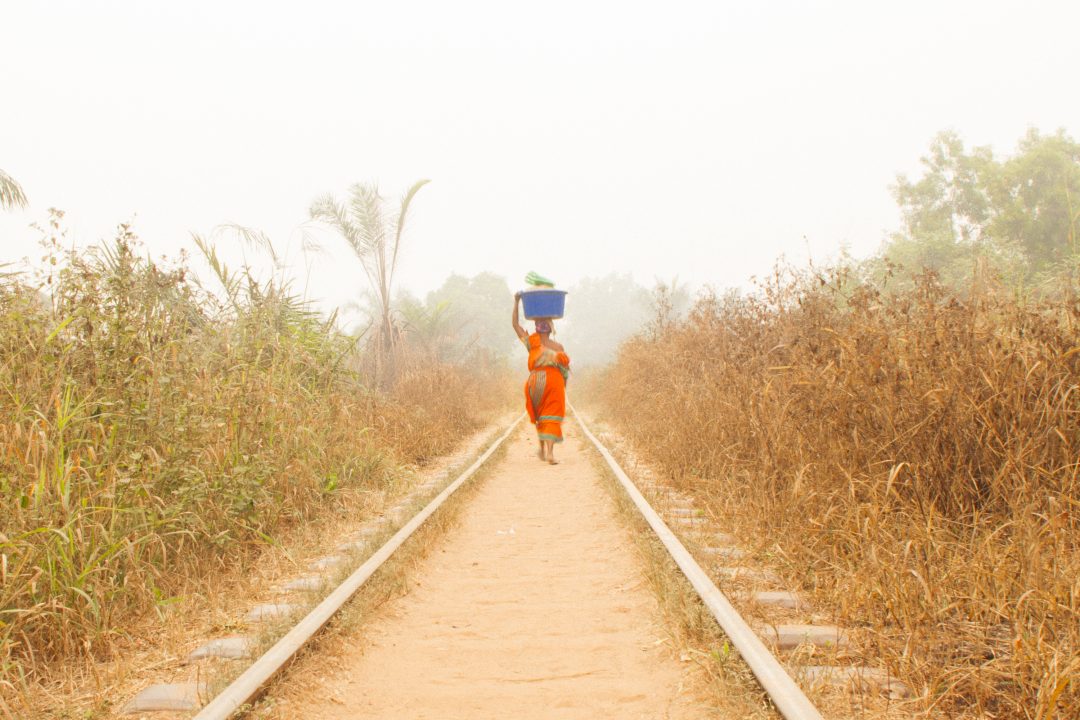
<point x="545" y="390"/>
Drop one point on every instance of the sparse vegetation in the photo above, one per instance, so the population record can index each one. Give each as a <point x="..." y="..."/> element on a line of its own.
<point x="911" y="458"/>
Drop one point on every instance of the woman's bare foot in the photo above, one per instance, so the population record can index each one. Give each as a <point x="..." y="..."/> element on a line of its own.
<point x="540" y="453"/>
<point x="552" y="461"/>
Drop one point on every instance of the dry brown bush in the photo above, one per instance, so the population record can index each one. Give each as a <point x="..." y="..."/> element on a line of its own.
<point x="912" y="459"/>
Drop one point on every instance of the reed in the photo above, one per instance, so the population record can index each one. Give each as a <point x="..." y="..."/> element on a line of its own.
<point x="910" y="458"/>
<point x="153" y="435"/>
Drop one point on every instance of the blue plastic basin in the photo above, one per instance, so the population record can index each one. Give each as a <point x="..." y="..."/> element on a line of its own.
<point x="543" y="303"/>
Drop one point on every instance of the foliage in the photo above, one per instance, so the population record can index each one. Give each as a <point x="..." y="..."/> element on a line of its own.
<point x="374" y="233"/>
<point x="1019" y="216"/>
<point x="429" y="329"/>
<point x="478" y="311"/>
<point x="11" y="193"/>
<point x="153" y="436"/>
<point x="912" y="459"/>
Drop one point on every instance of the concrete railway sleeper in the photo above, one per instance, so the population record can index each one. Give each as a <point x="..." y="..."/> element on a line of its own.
<point x="718" y="551"/>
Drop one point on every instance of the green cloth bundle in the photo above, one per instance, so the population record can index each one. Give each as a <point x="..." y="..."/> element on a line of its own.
<point x="538" y="280"/>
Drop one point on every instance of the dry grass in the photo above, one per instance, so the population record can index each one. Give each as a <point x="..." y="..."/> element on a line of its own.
<point x="912" y="459"/>
<point x="154" y="440"/>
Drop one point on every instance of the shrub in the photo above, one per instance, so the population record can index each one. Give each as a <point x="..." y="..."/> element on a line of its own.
<point x="914" y="456"/>
<point x="150" y="434"/>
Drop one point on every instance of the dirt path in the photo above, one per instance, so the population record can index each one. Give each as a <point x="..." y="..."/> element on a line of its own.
<point x="534" y="606"/>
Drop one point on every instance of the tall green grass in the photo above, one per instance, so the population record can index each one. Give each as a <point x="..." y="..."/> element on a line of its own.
<point x="152" y="432"/>
<point x="912" y="459"/>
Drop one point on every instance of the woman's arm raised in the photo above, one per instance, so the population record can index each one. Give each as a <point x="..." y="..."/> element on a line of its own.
<point x="517" y="324"/>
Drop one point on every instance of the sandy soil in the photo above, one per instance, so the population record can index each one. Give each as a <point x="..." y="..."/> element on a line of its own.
<point x="534" y="606"/>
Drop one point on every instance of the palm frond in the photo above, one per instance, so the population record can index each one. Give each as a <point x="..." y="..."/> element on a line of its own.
<point x="309" y="243"/>
<point x="406" y="201"/>
<point x="365" y="205"/>
<point x="326" y="209"/>
<point x="229" y="282"/>
<point x="251" y="237"/>
<point x="11" y="193"/>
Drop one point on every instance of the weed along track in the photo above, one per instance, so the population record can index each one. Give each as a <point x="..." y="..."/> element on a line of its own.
<point x="534" y="603"/>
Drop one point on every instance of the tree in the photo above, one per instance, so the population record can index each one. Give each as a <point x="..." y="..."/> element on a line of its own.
<point x="428" y="328"/>
<point x="374" y="233"/>
<point x="950" y="201"/>
<point x="670" y="303"/>
<point x="1036" y="198"/>
<point x="1020" y="216"/>
<point x="478" y="309"/>
<point x="11" y="193"/>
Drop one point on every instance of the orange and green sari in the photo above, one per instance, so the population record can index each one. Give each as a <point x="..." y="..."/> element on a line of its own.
<point x="545" y="390"/>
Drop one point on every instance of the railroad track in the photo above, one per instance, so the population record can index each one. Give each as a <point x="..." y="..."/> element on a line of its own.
<point x="784" y="692"/>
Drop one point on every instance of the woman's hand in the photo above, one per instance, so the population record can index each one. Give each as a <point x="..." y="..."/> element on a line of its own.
<point x="517" y="296"/>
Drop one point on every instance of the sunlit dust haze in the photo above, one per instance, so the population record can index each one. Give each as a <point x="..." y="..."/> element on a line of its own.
<point x="690" y="140"/>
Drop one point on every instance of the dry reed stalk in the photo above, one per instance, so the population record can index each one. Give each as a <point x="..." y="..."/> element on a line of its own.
<point x="913" y="458"/>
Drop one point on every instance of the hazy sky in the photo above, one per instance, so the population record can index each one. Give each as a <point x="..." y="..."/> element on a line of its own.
<point x="666" y="138"/>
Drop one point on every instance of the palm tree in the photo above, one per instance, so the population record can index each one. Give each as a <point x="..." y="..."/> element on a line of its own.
<point x="429" y="326"/>
<point x="374" y="233"/>
<point x="11" y="194"/>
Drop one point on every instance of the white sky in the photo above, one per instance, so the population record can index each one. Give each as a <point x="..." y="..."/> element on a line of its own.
<point x="573" y="138"/>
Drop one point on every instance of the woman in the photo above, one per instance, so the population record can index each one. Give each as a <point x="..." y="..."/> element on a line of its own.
<point x="545" y="390"/>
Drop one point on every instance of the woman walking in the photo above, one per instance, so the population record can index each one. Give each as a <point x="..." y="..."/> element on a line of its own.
<point x="545" y="390"/>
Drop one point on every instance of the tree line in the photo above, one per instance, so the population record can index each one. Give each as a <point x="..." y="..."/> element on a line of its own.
<point x="1017" y="216"/>
<point x="1014" y="217"/>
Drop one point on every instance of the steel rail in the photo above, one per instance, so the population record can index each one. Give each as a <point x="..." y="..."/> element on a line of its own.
<point x="786" y="695"/>
<point x="249" y="684"/>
